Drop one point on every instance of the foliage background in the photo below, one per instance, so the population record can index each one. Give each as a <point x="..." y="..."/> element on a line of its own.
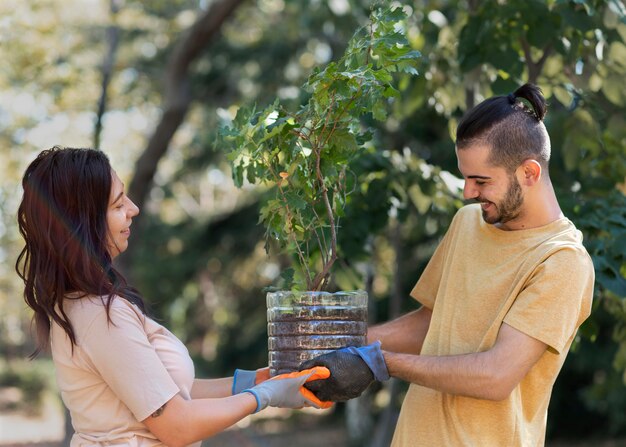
<point x="150" y="83"/>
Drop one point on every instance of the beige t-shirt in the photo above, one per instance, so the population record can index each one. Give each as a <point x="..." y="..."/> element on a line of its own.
<point x="539" y="281"/>
<point x="119" y="373"/>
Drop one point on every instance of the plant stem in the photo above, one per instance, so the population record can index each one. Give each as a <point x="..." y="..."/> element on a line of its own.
<point x="291" y="234"/>
<point x="319" y="278"/>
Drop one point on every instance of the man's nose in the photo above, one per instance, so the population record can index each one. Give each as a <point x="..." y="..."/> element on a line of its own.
<point x="469" y="191"/>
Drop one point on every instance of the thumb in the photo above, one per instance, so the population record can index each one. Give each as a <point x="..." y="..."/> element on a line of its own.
<point x="313" y="400"/>
<point x="316" y="373"/>
<point x="307" y="375"/>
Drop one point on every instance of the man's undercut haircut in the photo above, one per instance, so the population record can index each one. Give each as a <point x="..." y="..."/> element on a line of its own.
<point x="512" y="130"/>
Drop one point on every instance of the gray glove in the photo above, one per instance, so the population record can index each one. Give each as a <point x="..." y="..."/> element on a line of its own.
<point x="287" y="390"/>
<point x="242" y="380"/>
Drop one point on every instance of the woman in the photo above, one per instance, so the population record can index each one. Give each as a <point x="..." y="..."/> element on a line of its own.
<point x="125" y="379"/>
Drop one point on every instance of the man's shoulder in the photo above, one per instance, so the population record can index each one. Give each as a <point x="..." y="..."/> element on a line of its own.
<point x="564" y="232"/>
<point x="467" y="213"/>
<point x="471" y="209"/>
<point x="561" y="243"/>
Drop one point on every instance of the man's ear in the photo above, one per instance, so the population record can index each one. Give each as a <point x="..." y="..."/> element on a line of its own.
<point x="530" y="171"/>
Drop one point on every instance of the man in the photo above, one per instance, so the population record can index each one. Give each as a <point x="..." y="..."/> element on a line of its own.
<point x="502" y="297"/>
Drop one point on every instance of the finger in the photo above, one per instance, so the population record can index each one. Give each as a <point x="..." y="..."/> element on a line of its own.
<point x="322" y="393"/>
<point x="291" y="375"/>
<point x="313" y="400"/>
<point x="317" y="373"/>
<point x="262" y="374"/>
<point x="307" y="365"/>
<point x="315" y="386"/>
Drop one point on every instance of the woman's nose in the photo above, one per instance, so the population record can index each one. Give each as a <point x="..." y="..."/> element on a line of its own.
<point x="133" y="209"/>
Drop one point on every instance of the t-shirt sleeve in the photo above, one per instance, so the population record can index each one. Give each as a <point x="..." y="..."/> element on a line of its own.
<point x="122" y="355"/>
<point x="557" y="298"/>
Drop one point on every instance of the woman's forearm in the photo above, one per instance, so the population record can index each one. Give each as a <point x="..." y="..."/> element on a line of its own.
<point x="182" y="422"/>
<point x="212" y="388"/>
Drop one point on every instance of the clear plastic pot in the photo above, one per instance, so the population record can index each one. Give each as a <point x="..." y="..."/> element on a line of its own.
<point x="303" y="325"/>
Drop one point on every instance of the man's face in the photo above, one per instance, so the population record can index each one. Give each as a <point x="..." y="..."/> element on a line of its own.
<point x="499" y="193"/>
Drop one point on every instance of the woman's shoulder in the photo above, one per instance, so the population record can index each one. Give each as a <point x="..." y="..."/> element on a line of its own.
<point x="85" y="310"/>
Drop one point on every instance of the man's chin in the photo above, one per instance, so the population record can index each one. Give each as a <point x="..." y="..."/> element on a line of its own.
<point x="490" y="219"/>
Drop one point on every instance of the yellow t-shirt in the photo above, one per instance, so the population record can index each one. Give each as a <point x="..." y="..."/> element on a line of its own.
<point x="539" y="281"/>
<point x="119" y="373"/>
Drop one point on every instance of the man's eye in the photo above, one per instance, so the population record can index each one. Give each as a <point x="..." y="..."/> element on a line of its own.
<point x="480" y="183"/>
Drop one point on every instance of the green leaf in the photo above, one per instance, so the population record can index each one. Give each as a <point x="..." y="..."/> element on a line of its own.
<point x="287" y="279"/>
<point x="238" y="175"/>
<point x="250" y="174"/>
<point x="294" y="201"/>
<point x="379" y="111"/>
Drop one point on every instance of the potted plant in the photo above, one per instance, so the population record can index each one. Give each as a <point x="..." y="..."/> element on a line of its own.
<point x="305" y="156"/>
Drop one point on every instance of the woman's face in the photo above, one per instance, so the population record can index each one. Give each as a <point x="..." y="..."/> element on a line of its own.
<point x="120" y="213"/>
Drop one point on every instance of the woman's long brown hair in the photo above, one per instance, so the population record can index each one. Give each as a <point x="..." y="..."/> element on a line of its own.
<point x="62" y="218"/>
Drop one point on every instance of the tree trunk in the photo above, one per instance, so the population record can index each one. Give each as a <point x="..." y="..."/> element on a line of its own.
<point x="69" y="430"/>
<point x="535" y="68"/>
<point x="386" y="424"/>
<point x="177" y="99"/>
<point x="112" y="38"/>
<point x="359" y="416"/>
<point x="471" y="78"/>
<point x="177" y="94"/>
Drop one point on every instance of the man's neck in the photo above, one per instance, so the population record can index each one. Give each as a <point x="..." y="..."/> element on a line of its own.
<point x="540" y="208"/>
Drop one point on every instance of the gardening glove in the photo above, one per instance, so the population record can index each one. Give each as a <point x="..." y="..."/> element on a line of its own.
<point x="244" y="379"/>
<point x="352" y="370"/>
<point x="286" y="390"/>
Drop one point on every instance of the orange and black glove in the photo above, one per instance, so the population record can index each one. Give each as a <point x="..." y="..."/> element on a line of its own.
<point x="352" y="370"/>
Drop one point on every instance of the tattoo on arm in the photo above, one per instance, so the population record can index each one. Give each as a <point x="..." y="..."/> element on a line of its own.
<point x="159" y="412"/>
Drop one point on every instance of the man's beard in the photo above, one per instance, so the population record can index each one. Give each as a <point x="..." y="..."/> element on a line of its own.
<point x="509" y="208"/>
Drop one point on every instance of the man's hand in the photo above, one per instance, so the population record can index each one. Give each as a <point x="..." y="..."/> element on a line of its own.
<point x="352" y="370"/>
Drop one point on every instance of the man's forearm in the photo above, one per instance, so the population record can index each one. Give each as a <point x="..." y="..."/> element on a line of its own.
<point x="470" y="375"/>
<point x="490" y="374"/>
<point x="404" y="334"/>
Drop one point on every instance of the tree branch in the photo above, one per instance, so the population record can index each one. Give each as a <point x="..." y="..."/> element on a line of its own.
<point x="177" y="94"/>
<point x="177" y="99"/>
<point x="113" y="38"/>
<point x="317" y="281"/>
<point x="534" y="68"/>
